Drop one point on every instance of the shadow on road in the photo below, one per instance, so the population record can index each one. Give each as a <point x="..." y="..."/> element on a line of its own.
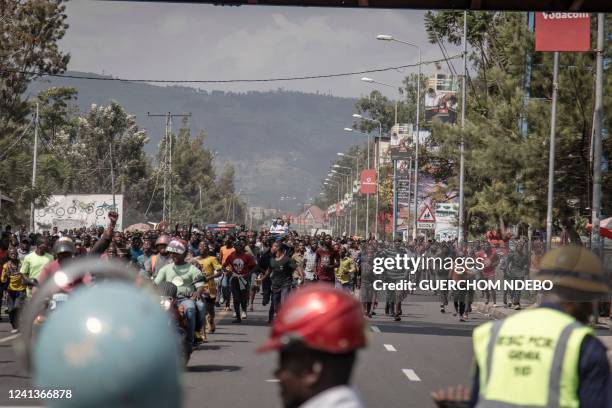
<point x="428" y="329"/>
<point x="208" y="346"/>
<point x="213" y="368"/>
<point x="14" y="376"/>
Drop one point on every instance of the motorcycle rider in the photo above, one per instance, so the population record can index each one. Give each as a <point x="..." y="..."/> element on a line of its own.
<point x="92" y="348"/>
<point x="189" y="281"/>
<point x="161" y="259"/>
<point x="317" y="333"/>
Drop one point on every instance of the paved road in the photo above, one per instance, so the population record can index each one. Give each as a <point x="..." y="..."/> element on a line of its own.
<point x="403" y="363"/>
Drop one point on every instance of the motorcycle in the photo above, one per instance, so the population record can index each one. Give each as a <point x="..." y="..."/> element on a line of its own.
<point x="52" y="303"/>
<point x="169" y="302"/>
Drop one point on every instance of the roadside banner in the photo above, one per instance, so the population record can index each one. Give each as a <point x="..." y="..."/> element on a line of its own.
<point x="368" y="181"/>
<point x="563" y="32"/>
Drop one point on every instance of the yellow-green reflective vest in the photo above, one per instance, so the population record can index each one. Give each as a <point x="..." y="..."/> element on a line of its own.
<point x="529" y="360"/>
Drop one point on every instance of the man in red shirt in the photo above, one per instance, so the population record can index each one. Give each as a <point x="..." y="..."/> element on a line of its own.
<point x="491" y="260"/>
<point x="241" y="264"/>
<point x="327" y="261"/>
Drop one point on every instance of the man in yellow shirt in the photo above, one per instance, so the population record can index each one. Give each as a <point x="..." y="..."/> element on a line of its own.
<point x="345" y="271"/>
<point x="212" y="269"/>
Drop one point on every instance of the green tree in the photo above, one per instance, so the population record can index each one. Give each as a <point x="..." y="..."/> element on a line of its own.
<point x="29" y="34"/>
<point x="506" y="171"/>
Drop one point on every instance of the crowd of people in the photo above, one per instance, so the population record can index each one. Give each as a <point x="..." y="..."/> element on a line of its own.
<point x="227" y="269"/>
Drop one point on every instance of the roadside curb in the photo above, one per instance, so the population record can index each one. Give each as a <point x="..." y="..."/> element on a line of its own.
<point x="495" y="311"/>
<point x="500" y="312"/>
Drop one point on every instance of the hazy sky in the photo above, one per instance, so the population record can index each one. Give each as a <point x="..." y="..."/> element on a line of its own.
<point x="197" y="41"/>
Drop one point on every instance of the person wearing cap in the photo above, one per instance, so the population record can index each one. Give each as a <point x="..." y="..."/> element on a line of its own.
<point x="189" y="282"/>
<point x="317" y="333"/>
<point x="547" y="356"/>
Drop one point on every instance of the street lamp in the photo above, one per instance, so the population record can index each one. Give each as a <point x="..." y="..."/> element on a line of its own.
<point x="330" y="182"/>
<point x="356" y="158"/>
<point x="385" y="37"/>
<point x="367" y="224"/>
<point x="376" y="162"/>
<point x="342" y="178"/>
<point x="371" y="81"/>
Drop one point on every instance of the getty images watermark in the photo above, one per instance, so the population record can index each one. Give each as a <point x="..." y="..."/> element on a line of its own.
<point x="397" y="270"/>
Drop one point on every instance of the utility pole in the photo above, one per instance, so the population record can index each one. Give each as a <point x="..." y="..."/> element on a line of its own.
<point x="34" y="162"/>
<point x="597" y="127"/>
<point x="166" y="162"/>
<point x="394" y="162"/>
<point x="112" y="169"/>
<point x="551" y="154"/>
<point x="416" y="150"/>
<point x="461" y="232"/>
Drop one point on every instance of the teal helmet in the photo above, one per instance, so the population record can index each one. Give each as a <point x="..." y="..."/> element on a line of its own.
<point x="111" y="345"/>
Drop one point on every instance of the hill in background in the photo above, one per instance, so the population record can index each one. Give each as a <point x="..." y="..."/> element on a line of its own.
<point x="281" y="142"/>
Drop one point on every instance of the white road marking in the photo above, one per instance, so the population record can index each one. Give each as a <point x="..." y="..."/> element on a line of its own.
<point x="274" y="380"/>
<point x="389" y="347"/>
<point x="375" y="329"/>
<point x="9" y="338"/>
<point x="411" y="374"/>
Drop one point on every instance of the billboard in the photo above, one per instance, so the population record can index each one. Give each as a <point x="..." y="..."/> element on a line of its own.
<point x="441" y="98"/>
<point x="563" y="32"/>
<point x="400" y="146"/>
<point x="77" y="210"/>
<point x="447" y="216"/>
<point x="368" y="181"/>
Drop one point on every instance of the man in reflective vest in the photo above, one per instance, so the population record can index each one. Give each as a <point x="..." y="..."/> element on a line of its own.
<point x="547" y="356"/>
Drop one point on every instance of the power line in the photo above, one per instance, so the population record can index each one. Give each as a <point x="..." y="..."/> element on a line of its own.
<point x="224" y="81"/>
<point x="8" y="150"/>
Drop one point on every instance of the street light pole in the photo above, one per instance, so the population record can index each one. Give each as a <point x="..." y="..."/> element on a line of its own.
<point x="418" y="114"/>
<point x="34" y="163"/>
<point x="356" y="158"/>
<point x="461" y="233"/>
<point x="551" y="153"/>
<point x="597" y="127"/>
<point x="367" y="222"/>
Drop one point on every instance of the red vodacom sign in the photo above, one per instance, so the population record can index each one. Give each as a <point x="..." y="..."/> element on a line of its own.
<point x="368" y="181"/>
<point x="562" y="32"/>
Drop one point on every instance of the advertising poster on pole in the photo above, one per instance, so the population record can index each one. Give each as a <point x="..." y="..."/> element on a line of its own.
<point x="441" y="100"/>
<point x="404" y="175"/>
<point x="563" y="32"/>
<point x="77" y="211"/>
<point x="447" y="216"/>
<point x="368" y="181"/>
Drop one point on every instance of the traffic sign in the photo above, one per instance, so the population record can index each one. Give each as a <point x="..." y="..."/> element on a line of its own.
<point x="426" y="220"/>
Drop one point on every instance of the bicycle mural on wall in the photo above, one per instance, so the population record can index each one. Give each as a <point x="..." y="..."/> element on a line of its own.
<point x="84" y="210"/>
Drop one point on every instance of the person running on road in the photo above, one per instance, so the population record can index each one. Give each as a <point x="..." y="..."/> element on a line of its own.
<point x="346" y="271"/>
<point x="212" y="269"/>
<point x="281" y="275"/>
<point x="35" y="261"/>
<point x="327" y="261"/>
<point x="491" y="260"/>
<point x="241" y="264"/>
<point x="317" y="334"/>
<point x="16" y="287"/>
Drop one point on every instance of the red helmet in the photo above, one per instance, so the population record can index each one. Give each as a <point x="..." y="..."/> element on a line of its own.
<point x="163" y="239"/>
<point x="319" y="317"/>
